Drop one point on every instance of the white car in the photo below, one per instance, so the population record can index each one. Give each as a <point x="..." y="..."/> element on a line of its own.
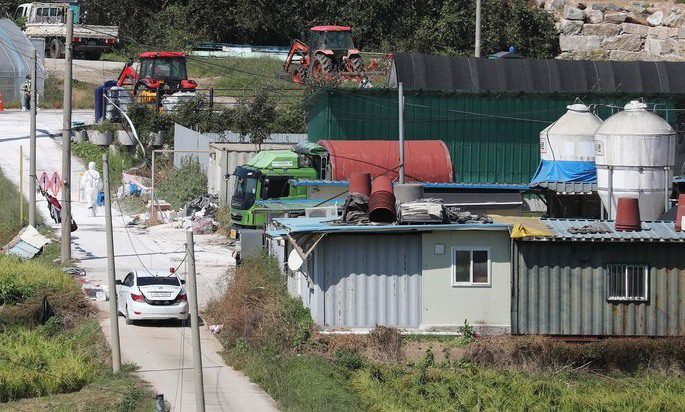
<point x="151" y="295"/>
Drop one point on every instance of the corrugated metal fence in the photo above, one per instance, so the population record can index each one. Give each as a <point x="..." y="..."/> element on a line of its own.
<point x="368" y="280"/>
<point x="560" y="288"/>
<point x="492" y="138"/>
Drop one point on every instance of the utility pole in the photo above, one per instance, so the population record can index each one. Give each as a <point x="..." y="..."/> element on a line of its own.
<point x="32" y="134"/>
<point x="66" y="143"/>
<point x="400" y="98"/>
<point x="111" y="270"/>
<point x="477" y="51"/>
<point x="21" y="186"/>
<point x="195" y="324"/>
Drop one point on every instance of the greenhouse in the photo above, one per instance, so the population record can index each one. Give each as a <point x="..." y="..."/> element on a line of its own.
<point x="15" y="61"/>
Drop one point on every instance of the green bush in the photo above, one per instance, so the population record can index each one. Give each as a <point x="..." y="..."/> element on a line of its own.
<point x="184" y="183"/>
<point x="22" y="280"/>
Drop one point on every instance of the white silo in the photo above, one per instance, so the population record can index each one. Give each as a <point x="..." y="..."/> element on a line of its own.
<point x="635" y="155"/>
<point x="567" y="147"/>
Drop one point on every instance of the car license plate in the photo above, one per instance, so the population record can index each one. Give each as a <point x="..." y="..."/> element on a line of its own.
<point x="160" y="294"/>
<point x="233" y="234"/>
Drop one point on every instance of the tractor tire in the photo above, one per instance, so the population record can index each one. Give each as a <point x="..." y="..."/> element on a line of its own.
<point x="56" y="49"/>
<point x="322" y="67"/>
<point x="357" y="65"/>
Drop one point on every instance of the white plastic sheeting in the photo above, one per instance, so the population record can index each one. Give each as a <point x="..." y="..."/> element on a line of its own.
<point x="15" y="61"/>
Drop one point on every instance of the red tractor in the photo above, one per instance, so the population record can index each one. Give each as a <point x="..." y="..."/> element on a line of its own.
<point x="330" y="51"/>
<point x="159" y="71"/>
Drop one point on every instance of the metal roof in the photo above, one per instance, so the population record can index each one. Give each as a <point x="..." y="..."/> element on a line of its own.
<point x="468" y="186"/>
<point x="657" y="231"/>
<point x="426" y="72"/>
<point x="328" y="225"/>
<point x="568" y="188"/>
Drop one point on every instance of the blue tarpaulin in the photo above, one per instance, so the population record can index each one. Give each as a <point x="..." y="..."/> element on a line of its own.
<point x="565" y="171"/>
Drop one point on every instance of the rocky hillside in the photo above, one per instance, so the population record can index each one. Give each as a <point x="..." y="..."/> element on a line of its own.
<point x="619" y="30"/>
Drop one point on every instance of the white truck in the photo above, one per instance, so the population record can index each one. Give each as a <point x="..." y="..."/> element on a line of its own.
<point x="48" y="21"/>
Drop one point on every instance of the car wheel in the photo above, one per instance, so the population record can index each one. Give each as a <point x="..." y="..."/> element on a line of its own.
<point x="128" y="319"/>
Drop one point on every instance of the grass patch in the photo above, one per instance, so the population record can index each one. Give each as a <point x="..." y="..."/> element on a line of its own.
<point x="20" y="280"/>
<point x="58" y="350"/>
<point x="83" y="94"/>
<point x="297" y="383"/>
<point x="466" y="387"/>
<point x="269" y="336"/>
<point x="9" y="204"/>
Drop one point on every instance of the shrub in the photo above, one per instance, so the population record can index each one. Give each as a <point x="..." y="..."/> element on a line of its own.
<point x="387" y="342"/>
<point x="184" y="183"/>
<point x="257" y="310"/>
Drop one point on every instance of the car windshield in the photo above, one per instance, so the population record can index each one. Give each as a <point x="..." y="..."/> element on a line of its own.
<point x="158" y="280"/>
<point x="163" y="69"/>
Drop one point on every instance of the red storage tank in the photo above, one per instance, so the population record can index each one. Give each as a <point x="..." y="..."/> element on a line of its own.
<point x="425" y="160"/>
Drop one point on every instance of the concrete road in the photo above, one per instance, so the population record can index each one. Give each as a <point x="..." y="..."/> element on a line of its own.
<point x="162" y="350"/>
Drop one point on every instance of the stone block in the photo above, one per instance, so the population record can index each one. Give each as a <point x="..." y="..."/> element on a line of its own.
<point x="623" y="55"/>
<point x="656" y="18"/>
<point x="673" y="58"/>
<point x="573" y="13"/>
<point x="627" y="42"/>
<point x="658" y="47"/>
<point x="606" y="7"/>
<point x="593" y="16"/>
<point x="573" y="43"/>
<point x="632" y="28"/>
<point x="637" y="18"/>
<point x="570" y="26"/>
<point x="555" y="5"/>
<point x="602" y="29"/>
<point x="662" y="32"/>
<point x="615" y="17"/>
<point x="681" y="33"/>
<point x="674" y="20"/>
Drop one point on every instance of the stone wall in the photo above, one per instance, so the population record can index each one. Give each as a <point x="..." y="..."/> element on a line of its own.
<point x="619" y="30"/>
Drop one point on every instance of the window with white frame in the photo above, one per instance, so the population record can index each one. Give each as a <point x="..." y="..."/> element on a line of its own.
<point x="471" y="266"/>
<point x="627" y="283"/>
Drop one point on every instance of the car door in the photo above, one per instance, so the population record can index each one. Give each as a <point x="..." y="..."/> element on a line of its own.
<point x="124" y="291"/>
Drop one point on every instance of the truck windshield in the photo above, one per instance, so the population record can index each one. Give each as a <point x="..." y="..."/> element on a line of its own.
<point x="173" y="69"/>
<point x="245" y="191"/>
<point x="246" y="186"/>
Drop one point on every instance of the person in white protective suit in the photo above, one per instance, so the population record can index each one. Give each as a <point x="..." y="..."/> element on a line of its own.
<point x="91" y="184"/>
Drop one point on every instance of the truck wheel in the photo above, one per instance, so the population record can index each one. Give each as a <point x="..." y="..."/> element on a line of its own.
<point x="357" y="64"/>
<point x="56" y="49"/>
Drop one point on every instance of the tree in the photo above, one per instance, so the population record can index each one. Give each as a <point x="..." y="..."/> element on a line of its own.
<point x="255" y="118"/>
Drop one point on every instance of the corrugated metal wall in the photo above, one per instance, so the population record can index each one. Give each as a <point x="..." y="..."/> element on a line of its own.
<point x="492" y="138"/>
<point x="560" y="288"/>
<point x="368" y="280"/>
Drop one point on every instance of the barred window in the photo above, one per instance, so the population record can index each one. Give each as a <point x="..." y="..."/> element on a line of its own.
<point x="627" y="283"/>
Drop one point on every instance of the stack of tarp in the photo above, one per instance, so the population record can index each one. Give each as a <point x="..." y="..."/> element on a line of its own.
<point x="27" y="244"/>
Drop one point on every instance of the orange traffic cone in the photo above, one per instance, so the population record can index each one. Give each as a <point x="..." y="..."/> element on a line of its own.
<point x="2" y="107"/>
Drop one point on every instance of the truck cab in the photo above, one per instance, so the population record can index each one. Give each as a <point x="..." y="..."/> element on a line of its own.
<point x="267" y="177"/>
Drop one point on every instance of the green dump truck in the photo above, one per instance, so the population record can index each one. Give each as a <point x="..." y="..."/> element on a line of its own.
<point x="267" y="176"/>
